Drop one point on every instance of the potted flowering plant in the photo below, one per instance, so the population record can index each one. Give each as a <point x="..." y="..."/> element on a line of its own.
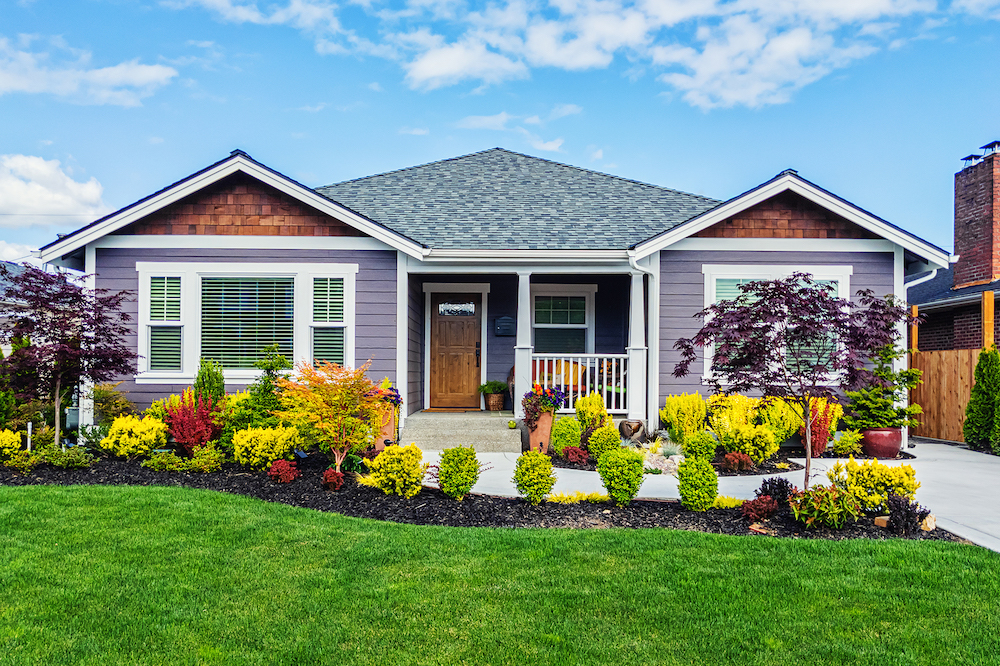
<point x="540" y="406"/>
<point x="390" y="398"/>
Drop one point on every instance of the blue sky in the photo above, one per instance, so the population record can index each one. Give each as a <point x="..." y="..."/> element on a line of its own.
<point x="105" y="101"/>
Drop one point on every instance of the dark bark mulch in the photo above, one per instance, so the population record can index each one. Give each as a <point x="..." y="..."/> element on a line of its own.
<point x="432" y="507"/>
<point x="768" y="467"/>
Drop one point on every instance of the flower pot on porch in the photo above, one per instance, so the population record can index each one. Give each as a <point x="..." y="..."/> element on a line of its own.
<point x="539" y="437"/>
<point x="882" y="442"/>
<point x="388" y="431"/>
<point x="494" y="402"/>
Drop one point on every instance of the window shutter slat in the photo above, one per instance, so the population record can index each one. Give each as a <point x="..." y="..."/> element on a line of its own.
<point x="328" y="345"/>
<point x="328" y="300"/>
<point x="242" y="316"/>
<point x="164" y="347"/>
<point x="165" y="298"/>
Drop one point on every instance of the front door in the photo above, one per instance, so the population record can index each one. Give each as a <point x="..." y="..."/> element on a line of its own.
<point x="456" y="336"/>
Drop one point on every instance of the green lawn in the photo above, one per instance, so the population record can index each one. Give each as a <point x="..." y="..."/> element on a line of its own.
<point x="123" y="575"/>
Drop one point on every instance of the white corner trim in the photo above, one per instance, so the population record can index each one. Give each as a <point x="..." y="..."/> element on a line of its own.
<point x="402" y="334"/>
<point x="235" y="164"/>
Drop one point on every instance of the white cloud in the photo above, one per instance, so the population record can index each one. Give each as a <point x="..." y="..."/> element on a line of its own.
<point x="470" y="59"/>
<point x="563" y="110"/>
<point x="538" y="144"/>
<point x="66" y="72"/>
<point x="415" y="131"/>
<point x="14" y="251"/>
<point x="496" y="122"/>
<point x="375" y="86"/>
<point x="597" y="155"/>
<point x="39" y="192"/>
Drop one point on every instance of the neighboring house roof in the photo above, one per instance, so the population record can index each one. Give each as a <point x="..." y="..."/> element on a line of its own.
<point x="15" y="270"/>
<point x="937" y="292"/>
<point x="498" y="199"/>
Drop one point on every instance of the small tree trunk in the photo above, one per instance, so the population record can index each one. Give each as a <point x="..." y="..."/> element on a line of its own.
<point x="58" y="407"/>
<point x="808" y="421"/>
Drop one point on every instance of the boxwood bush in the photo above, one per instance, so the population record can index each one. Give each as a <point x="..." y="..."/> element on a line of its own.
<point x="621" y="473"/>
<point x="698" y="484"/>
<point x="565" y="432"/>
<point x="533" y="476"/>
<point x="458" y="471"/>
<point x="604" y="439"/>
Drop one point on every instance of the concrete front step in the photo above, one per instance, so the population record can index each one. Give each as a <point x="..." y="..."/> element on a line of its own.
<point x="484" y="431"/>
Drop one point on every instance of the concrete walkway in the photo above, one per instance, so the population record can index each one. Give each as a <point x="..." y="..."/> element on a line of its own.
<point x="961" y="487"/>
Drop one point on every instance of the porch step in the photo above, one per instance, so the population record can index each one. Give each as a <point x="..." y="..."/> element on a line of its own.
<point x="484" y="431"/>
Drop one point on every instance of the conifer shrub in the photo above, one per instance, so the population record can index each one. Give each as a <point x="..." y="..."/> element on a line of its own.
<point x="132" y="437"/>
<point x="698" y="484"/>
<point x="872" y="482"/>
<point x="849" y="444"/>
<point x="982" y="422"/>
<point x="396" y="471"/>
<point x="756" y="442"/>
<point x="604" y="439"/>
<point x="257" y="448"/>
<point x="533" y="476"/>
<point x="621" y="473"/>
<point x="43" y="438"/>
<point x="700" y="445"/>
<point x="565" y="432"/>
<point x="210" y="383"/>
<point x="683" y="415"/>
<point x="458" y="471"/>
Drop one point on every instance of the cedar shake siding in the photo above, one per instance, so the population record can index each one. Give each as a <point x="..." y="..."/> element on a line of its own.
<point x="787" y="215"/>
<point x="375" y="294"/>
<point x="682" y="294"/>
<point x="239" y="206"/>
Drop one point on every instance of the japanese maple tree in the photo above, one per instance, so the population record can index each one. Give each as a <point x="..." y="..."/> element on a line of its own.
<point x="795" y="339"/>
<point x="76" y="334"/>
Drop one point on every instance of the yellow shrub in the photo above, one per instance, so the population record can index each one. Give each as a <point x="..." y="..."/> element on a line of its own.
<point x="10" y="443"/>
<point x="683" y="415"/>
<point x="159" y="408"/>
<point x="131" y="436"/>
<point x="871" y="482"/>
<point x="576" y="498"/>
<point x="397" y="471"/>
<point x="758" y="442"/>
<point x="728" y="412"/>
<point x="726" y="502"/>
<point x="782" y="417"/>
<point x="591" y="412"/>
<point x="259" y="447"/>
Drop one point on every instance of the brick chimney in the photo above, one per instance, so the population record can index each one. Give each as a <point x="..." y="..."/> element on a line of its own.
<point x="977" y="222"/>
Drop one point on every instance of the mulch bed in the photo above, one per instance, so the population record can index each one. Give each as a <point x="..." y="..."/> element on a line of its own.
<point x="432" y="507"/>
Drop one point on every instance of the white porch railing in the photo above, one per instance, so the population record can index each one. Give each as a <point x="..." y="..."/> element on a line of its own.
<point x="578" y="375"/>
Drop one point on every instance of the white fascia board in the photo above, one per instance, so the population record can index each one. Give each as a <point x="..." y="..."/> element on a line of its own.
<point x="789" y="182"/>
<point x="236" y="164"/>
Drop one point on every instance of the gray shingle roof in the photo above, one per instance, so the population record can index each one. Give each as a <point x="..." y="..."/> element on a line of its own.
<point x="497" y="199"/>
<point x="939" y="288"/>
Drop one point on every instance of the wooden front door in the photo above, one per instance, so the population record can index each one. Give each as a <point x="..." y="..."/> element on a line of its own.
<point x="456" y="336"/>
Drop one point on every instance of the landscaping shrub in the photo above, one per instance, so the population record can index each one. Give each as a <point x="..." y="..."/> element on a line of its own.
<point x="74" y="457"/>
<point x="23" y="461"/>
<point x="110" y="403"/>
<point x="10" y="443"/>
<point x="737" y="462"/>
<point x="565" y="432"/>
<point x="604" y="439"/>
<point x="131" y="437"/>
<point x="824" y="418"/>
<point x="192" y="422"/>
<point x="726" y="502"/>
<point x="396" y="471"/>
<point x="209" y="383"/>
<point x="980" y="427"/>
<point x="700" y="445"/>
<point x="621" y="473"/>
<point x="872" y="482"/>
<point x="756" y="442"/>
<point x="576" y="455"/>
<point x="576" y="498"/>
<point x="43" y="438"/>
<point x="761" y="508"/>
<point x="728" y="412"/>
<point x="158" y="409"/>
<point x="533" y="476"/>
<point x="255" y="407"/>
<point x="825" y="506"/>
<point x="776" y="487"/>
<point x="849" y="443"/>
<point x="257" y="448"/>
<point x="355" y="464"/>
<point x="332" y="479"/>
<point x="165" y="461"/>
<point x="683" y="415"/>
<point x="591" y="414"/>
<point x="206" y="459"/>
<point x="668" y="449"/>
<point x="8" y="405"/>
<point x="780" y="416"/>
<point x="458" y="471"/>
<point x="905" y="517"/>
<point x="283" y="471"/>
<point x="698" y="484"/>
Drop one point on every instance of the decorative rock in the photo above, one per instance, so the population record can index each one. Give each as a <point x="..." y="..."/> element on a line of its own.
<point x="882" y="521"/>
<point x="929" y="524"/>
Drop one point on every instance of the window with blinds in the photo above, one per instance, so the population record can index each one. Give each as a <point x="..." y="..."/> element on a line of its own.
<point x="240" y="316"/>
<point x="165" y="306"/>
<point x="329" y="333"/>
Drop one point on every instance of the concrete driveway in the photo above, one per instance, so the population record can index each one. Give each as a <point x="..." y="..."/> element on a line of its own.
<point x="961" y="487"/>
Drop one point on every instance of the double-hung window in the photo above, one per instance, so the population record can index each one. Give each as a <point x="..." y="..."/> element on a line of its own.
<point x="562" y="316"/>
<point x="231" y="313"/>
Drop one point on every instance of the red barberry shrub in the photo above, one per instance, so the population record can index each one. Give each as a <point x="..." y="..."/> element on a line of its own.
<point x="333" y="479"/>
<point x="192" y="423"/>
<point x="576" y="455"/>
<point x="737" y="462"/>
<point x="283" y="471"/>
<point x="761" y="508"/>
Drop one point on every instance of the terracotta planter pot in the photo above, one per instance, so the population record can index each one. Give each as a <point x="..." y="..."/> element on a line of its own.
<point x="882" y="442"/>
<point x="494" y="402"/>
<point x="388" y="431"/>
<point x="540" y="435"/>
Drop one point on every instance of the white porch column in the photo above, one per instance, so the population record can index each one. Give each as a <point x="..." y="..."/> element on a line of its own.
<point x="522" y="348"/>
<point x="636" y="378"/>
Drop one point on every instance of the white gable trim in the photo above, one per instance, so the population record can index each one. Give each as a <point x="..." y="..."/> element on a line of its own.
<point x="791" y="182"/>
<point x="236" y="164"/>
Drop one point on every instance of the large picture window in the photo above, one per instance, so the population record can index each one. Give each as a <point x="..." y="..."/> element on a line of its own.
<point x="241" y="316"/>
<point x="563" y="318"/>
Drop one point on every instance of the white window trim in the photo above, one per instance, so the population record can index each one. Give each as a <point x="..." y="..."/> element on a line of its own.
<point x="191" y="274"/>
<point x="712" y="272"/>
<point x="586" y="290"/>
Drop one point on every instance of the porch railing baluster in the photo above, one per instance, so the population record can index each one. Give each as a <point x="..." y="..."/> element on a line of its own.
<point x="579" y="375"/>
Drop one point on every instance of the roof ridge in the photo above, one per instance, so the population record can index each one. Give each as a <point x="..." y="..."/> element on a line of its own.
<point x="411" y="168"/>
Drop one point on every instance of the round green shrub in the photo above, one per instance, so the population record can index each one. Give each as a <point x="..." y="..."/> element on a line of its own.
<point x="621" y="473"/>
<point x="397" y="471"/>
<point x="533" y="476"/>
<point x="604" y="439"/>
<point x="458" y="471"/>
<point x="698" y="484"/>
<point x="700" y="445"/>
<point x="566" y="432"/>
<point x="758" y="442"/>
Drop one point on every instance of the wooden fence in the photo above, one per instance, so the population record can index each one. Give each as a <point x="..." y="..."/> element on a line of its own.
<point x="945" y="391"/>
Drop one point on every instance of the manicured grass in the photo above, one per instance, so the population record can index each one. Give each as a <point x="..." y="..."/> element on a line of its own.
<point x="128" y="575"/>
